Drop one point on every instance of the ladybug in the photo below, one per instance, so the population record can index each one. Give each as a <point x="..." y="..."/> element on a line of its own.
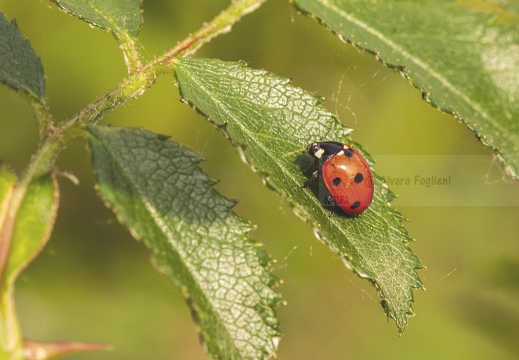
<point x="346" y="175"/>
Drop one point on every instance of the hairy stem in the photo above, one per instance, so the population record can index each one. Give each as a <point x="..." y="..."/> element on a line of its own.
<point x="221" y="24"/>
<point x="131" y="55"/>
<point x="43" y="115"/>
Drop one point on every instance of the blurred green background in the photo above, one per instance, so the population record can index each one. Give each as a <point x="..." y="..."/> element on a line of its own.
<point x="93" y="282"/>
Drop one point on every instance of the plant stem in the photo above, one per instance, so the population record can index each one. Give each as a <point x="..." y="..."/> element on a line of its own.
<point x="11" y="340"/>
<point x="43" y="115"/>
<point x="221" y="24"/>
<point x="130" y="53"/>
<point x="145" y="76"/>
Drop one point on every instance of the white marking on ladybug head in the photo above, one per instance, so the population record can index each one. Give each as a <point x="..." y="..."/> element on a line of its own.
<point x="319" y="153"/>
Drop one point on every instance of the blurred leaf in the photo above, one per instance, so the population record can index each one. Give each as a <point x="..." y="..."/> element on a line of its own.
<point x="20" y="68"/>
<point x="491" y="314"/>
<point x="33" y="224"/>
<point x="464" y="62"/>
<point x="156" y="190"/>
<point x="271" y="123"/>
<point x="504" y="274"/>
<point x="119" y="16"/>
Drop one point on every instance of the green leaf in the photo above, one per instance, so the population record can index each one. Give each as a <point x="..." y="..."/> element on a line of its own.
<point x="464" y="62"/>
<point x="20" y="68"/>
<point x="194" y="238"/>
<point x="27" y="214"/>
<point x="119" y="16"/>
<point x="271" y="123"/>
<point x="33" y="224"/>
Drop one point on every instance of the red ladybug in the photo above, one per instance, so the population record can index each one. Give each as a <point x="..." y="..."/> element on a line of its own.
<point x="345" y="173"/>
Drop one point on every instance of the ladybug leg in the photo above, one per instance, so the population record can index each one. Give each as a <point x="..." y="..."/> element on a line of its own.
<point x="332" y="203"/>
<point x="308" y="185"/>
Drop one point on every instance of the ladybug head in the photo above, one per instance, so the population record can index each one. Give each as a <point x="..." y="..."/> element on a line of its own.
<point x="315" y="150"/>
<point x="323" y="150"/>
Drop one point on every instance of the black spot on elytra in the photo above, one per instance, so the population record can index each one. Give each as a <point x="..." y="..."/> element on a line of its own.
<point x="336" y="181"/>
<point x="349" y="152"/>
<point x="355" y="205"/>
<point x="358" y="178"/>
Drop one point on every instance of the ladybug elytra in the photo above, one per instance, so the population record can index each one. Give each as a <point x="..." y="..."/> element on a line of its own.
<point x="345" y="173"/>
